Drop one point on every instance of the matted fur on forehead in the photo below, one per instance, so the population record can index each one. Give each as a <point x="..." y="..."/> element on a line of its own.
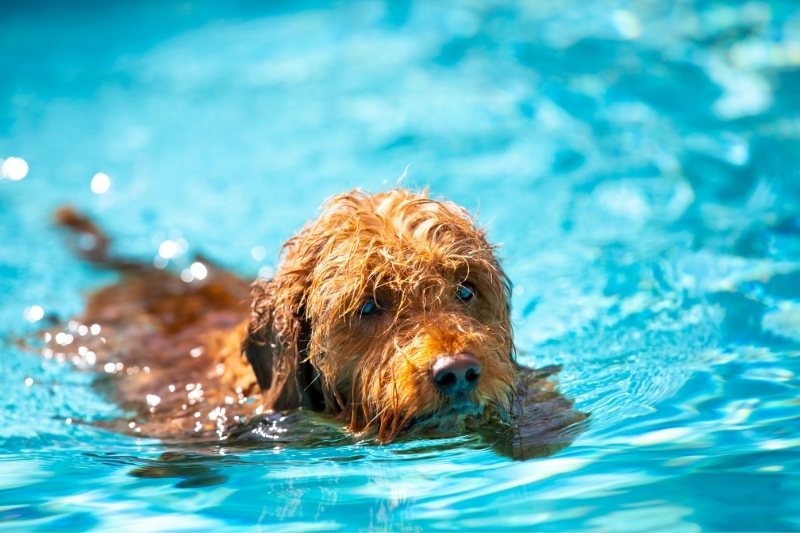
<point x="393" y="241"/>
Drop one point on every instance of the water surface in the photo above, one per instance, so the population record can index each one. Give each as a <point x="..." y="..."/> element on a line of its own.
<point x="637" y="161"/>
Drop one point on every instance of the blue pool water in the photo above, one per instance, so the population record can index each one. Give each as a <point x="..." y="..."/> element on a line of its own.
<point x="638" y="161"/>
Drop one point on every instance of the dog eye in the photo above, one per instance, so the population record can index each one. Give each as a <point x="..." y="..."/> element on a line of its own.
<point x="465" y="291"/>
<point x="369" y="307"/>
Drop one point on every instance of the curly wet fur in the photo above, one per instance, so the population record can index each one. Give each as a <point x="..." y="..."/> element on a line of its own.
<point x="410" y="254"/>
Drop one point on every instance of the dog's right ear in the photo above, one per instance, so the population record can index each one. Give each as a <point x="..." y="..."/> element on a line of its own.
<point x="256" y="344"/>
<point x="276" y="346"/>
<point x="280" y="330"/>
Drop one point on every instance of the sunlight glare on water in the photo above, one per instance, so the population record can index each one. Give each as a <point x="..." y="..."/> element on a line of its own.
<point x="637" y="162"/>
<point x="14" y="168"/>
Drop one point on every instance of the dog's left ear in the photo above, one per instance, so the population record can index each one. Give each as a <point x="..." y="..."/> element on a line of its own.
<point x="276" y="346"/>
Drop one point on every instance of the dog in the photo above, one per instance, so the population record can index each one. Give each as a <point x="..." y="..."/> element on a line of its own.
<point x="389" y="312"/>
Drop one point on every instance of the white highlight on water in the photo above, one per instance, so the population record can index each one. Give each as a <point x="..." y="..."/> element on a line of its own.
<point x="14" y="168"/>
<point x="168" y="249"/>
<point x="101" y="183"/>
<point x="198" y="270"/>
<point x="33" y="313"/>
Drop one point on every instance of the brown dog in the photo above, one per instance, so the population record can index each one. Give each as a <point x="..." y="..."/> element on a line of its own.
<point x="389" y="311"/>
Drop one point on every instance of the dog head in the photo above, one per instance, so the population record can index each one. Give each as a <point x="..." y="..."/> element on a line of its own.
<point x="390" y="309"/>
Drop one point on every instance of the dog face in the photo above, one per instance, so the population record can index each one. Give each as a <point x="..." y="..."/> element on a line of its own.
<point x="390" y="309"/>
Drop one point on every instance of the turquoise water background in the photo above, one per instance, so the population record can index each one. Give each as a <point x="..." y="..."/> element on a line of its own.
<point x="639" y="162"/>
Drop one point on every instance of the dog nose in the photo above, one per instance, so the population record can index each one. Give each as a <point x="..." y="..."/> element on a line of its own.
<point x="457" y="373"/>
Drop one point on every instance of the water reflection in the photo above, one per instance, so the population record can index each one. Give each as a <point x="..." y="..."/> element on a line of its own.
<point x="100" y="183"/>
<point x="638" y="160"/>
<point x="13" y="168"/>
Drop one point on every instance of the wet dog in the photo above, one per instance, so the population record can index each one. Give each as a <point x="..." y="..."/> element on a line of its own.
<point x="389" y="312"/>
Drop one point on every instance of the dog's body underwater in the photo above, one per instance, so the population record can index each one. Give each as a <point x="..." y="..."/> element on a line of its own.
<point x="389" y="312"/>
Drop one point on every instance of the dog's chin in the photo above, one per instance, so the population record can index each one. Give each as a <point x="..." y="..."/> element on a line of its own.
<point x="454" y="418"/>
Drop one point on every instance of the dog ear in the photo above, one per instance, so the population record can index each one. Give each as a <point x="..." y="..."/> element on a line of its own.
<point x="276" y="346"/>
<point x="280" y="332"/>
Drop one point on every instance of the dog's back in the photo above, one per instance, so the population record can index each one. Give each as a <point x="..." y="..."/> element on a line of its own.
<point x="171" y="348"/>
